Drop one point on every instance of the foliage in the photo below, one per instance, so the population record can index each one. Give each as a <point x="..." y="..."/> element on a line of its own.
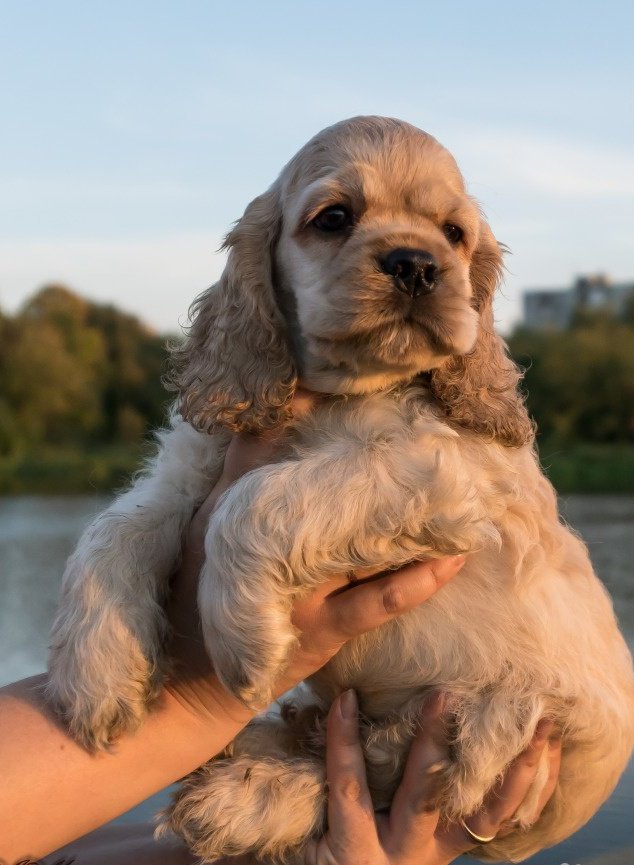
<point x="580" y="382"/>
<point x="579" y="467"/>
<point x="76" y="374"/>
<point x="69" y="470"/>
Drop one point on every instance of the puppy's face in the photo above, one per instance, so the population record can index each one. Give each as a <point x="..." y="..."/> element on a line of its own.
<point x="364" y="264"/>
<point x="373" y="258"/>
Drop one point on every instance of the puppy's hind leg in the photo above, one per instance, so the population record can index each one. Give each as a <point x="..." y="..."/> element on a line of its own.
<point x="262" y="800"/>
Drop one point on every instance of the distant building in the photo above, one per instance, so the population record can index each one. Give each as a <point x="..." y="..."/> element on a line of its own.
<point x="553" y="308"/>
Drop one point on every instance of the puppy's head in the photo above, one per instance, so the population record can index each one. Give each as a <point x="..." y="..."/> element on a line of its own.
<point x="364" y="265"/>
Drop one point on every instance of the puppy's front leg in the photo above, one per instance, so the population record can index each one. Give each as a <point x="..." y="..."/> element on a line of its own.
<point x="248" y="582"/>
<point x="286" y="528"/>
<point x="107" y="642"/>
<point x="279" y="531"/>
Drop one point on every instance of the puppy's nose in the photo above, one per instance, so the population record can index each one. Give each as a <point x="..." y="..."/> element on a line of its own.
<point x="414" y="271"/>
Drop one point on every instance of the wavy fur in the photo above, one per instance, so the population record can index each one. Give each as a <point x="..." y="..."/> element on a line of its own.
<point x="234" y="370"/>
<point x="421" y="447"/>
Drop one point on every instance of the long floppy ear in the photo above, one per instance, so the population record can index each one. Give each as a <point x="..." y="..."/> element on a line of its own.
<point x="234" y="369"/>
<point x="479" y="390"/>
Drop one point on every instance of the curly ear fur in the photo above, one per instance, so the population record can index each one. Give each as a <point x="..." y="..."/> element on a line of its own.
<point x="479" y="390"/>
<point x="234" y="369"/>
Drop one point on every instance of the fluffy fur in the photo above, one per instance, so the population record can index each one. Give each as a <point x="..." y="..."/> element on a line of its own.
<point x="421" y="447"/>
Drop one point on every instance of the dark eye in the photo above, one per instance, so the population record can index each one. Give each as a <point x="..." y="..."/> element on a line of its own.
<point x="334" y="218"/>
<point x="453" y="233"/>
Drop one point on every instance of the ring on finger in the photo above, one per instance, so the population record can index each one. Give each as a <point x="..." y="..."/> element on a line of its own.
<point x="479" y="839"/>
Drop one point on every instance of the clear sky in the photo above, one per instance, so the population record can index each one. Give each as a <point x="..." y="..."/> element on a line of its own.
<point x="133" y="133"/>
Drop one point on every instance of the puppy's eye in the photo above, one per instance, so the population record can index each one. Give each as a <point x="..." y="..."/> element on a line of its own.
<point x="332" y="219"/>
<point x="453" y="233"/>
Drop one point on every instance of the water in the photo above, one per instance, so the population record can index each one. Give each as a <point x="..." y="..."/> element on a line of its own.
<point x="37" y="533"/>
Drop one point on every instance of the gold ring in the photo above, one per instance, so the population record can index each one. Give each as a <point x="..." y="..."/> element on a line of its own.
<point x="480" y="839"/>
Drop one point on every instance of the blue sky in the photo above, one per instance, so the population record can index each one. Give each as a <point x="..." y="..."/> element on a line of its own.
<point x="132" y="134"/>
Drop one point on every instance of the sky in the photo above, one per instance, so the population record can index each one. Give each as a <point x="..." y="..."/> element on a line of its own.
<point x="132" y="134"/>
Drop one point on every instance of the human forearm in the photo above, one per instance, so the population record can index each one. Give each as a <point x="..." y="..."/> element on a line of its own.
<point x="53" y="790"/>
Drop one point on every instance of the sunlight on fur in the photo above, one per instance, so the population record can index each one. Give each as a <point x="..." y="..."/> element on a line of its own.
<point x="367" y="273"/>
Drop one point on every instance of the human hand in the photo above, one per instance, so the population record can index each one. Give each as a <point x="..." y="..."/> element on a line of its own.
<point x="335" y="612"/>
<point x="412" y="833"/>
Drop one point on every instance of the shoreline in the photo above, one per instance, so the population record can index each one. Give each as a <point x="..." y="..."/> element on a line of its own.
<point x="573" y="468"/>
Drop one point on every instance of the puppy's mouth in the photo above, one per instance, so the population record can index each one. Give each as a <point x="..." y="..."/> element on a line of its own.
<point x="436" y="333"/>
<point x="404" y="328"/>
<point x="415" y="319"/>
<point x="411" y="325"/>
<point x="398" y="343"/>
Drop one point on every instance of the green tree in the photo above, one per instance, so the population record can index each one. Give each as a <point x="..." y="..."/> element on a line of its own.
<point x="135" y="360"/>
<point x="580" y="382"/>
<point x="76" y="372"/>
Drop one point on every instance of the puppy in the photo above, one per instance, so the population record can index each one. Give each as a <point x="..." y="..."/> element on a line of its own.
<point x="365" y="273"/>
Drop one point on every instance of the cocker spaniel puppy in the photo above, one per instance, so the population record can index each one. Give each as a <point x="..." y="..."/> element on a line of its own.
<point x="366" y="273"/>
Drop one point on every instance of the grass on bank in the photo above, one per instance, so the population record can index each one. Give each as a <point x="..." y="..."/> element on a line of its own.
<point x="572" y="468"/>
<point x="589" y="468"/>
<point x="69" y="470"/>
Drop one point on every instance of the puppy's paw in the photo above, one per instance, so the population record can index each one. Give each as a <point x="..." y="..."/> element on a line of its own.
<point x="101" y="681"/>
<point x="95" y="721"/>
<point x="249" y="668"/>
<point x="265" y="806"/>
<point x="248" y="632"/>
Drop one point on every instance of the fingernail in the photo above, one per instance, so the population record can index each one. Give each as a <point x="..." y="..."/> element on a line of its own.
<point x="457" y="561"/>
<point x="449" y="566"/>
<point x="348" y="705"/>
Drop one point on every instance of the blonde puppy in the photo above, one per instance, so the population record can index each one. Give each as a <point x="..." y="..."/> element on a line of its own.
<point x="366" y="273"/>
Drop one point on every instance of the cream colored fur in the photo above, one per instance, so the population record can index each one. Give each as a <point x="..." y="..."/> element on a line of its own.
<point x="421" y="447"/>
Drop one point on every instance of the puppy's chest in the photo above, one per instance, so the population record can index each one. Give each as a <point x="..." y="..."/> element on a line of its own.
<point x="369" y="424"/>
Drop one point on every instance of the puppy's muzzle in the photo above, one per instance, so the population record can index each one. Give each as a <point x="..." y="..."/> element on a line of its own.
<point x="414" y="271"/>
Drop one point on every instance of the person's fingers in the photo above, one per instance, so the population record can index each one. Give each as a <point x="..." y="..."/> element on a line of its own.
<point x="414" y="813"/>
<point x="346" y="581"/>
<point x="328" y="610"/>
<point x="351" y="822"/>
<point x="504" y="798"/>
<point x="333" y="612"/>
<point x="554" y="764"/>
<point x="371" y="603"/>
<point x="314" y="609"/>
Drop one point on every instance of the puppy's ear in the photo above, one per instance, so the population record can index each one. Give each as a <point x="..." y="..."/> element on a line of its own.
<point x="234" y="369"/>
<point x="479" y="390"/>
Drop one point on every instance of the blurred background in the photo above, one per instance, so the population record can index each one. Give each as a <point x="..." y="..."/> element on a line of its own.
<point x="133" y="134"/>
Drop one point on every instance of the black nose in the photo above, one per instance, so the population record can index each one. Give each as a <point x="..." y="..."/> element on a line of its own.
<point x="415" y="271"/>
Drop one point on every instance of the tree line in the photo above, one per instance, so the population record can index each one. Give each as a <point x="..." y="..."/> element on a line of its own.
<point x="77" y="373"/>
<point x="580" y="382"/>
<point x="82" y="374"/>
